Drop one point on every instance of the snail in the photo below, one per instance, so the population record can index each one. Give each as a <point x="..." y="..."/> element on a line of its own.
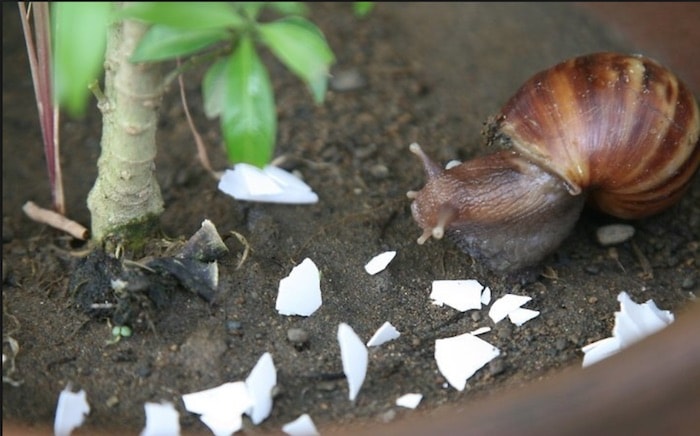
<point x="619" y="132"/>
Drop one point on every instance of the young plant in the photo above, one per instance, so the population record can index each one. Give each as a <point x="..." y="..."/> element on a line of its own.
<point x="125" y="201"/>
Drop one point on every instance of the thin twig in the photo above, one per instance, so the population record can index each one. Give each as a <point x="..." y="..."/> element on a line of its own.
<point x="246" y="248"/>
<point x="647" y="270"/>
<point x="55" y="220"/>
<point x="201" y="149"/>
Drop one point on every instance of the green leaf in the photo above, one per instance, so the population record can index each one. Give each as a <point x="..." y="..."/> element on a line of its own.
<point x="164" y="42"/>
<point x="185" y="15"/>
<point x="362" y="8"/>
<point x="80" y="35"/>
<point x="301" y="46"/>
<point x="248" y="118"/>
<point x="214" y="88"/>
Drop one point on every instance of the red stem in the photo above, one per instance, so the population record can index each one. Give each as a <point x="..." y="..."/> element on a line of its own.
<point x="40" y="65"/>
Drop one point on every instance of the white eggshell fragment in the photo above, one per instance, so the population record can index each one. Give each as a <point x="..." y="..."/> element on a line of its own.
<point x="633" y="322"/>
<point x="268" y="185"/>
<point x="505" y="305"/>
<point x="409" y="401"/>
<point x="300" y="292"/>
<point x="302" y="426"/>
<point x="353" y="354"/>
<point x="599" y="350"/>
<point x="521" y="315"/>
<point x="161" y="419"/>
<point x="486" y="296"/>
<point x="221" y="408"/>
<point x="260" y="382"/>
<point x="379" y="262"/>
<point x="459" y="357"/>
<point x="385" y="333"/>
<point x="285" y="179"/>
<point x="637" y="321"/>
<point x="71" y="410"/>
<point x="462" y="295"/>
<point x="480" y="331"/>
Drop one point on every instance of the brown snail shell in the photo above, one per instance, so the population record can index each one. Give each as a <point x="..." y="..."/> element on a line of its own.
<point x="618" y="130"/>
<point x="621" y="126"/>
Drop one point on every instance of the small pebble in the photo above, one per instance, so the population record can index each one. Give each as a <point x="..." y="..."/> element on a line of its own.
<point x="592" y="270"/>
<point x="297" y="336"/>
<point x="387" y="416"/>
<point x="496" y="366"/>
<point x="233" y="326"/>
<point x="688" y="283"/>
<point x="560" y="344"/>
<point x="379" y="171"/>
<point x="614" y="234"/>
<point x="327" y="386"/>
<point x="347" y="80"/>
<point x="112" y="401"/>
<point x="504" y="331"/>
<point x="365" y="151"/>
<point x="143" y="371"/>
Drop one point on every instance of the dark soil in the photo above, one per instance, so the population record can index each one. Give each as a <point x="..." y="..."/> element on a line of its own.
<point x="431" y="74"/>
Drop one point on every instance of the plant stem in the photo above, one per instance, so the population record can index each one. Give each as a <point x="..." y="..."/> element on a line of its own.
<point x="126" y="201"/>
<point x="40" y="63"/>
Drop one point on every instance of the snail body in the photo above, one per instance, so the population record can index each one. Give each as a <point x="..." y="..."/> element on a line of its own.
<point x="617" y="131"/>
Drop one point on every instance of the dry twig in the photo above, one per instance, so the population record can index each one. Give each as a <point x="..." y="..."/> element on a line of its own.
<point x="55" y="220"/>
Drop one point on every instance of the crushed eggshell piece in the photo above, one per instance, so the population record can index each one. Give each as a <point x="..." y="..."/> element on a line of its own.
<point x="460" y="357"/>
<point x="221" y="408"/>
<point x="486" y="296"/>
<point x="521" y="315"/>
<point x="633" y="322"/>
<point x="300" y="292"/>
<point x="354" y="356"/>
<point x="379" y="262"/>
<point x="302" y="426"/>
<point x="161" y="419"/>
<point x="385" y="333"/>
<point x="462" y="295"/>
<point x="599" y="350"/>
<point x="268" y="185"/>
<point x="480" y="330"/>
<point x="260" y="382"/>
<point x="409" y="401"/>
<point x="71" y="410"/>
<point x="637" y="321"/>
<point x="505" y="305"/>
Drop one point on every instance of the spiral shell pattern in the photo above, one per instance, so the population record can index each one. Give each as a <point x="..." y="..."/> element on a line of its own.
<point x="622" y="128"/>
